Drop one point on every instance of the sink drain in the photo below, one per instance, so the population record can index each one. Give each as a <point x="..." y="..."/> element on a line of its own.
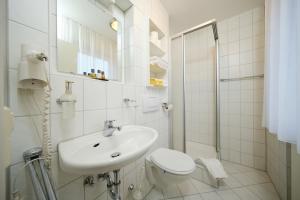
<point x="97" y="144"/>
<point x="116" y="154"/>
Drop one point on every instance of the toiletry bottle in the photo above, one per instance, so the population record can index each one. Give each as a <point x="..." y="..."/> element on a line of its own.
<point x="93" y="74"/>
<point x="98" y="74"/>
<point x="102" y="75"/>
<point x="68" y="106"/>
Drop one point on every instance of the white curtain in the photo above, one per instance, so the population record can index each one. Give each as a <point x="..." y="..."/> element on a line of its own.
<point x="282" y="70"/>
<point x="94" y="50"/>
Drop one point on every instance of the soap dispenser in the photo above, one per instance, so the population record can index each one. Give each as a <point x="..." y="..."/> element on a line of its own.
<point x="67" y="101"/>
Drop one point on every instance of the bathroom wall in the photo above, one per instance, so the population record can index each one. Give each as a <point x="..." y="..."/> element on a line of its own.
<point x="2" y="94"/>
<point x="35" y="22"/>
<point x="241" y="55"/>
<point x="278" y="162"/>
<point x="295" y="175"/>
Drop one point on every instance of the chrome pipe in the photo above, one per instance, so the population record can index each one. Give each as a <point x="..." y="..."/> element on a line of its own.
<point x="218" y="135"/>
<point x="37" y="187"/>
<point x="113" y="185"/>
<point x="242" y="78"/>
<point x="47" y="182"/>
<point x="200" y="26"/>
<point x="184" y="89"/>
<point x="43" y="191"/>
<point x="117" y="183"/>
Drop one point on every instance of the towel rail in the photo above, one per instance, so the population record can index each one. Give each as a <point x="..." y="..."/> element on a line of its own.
<point x="242" y="78"/>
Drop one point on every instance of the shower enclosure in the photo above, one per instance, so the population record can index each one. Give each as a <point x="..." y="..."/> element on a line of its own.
<point x="195" y="91"/>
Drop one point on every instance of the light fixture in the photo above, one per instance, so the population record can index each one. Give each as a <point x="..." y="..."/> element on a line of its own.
<point x="114" y="24"/>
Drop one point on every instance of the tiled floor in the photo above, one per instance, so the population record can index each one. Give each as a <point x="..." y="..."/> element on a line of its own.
<point x="243" y="183"/>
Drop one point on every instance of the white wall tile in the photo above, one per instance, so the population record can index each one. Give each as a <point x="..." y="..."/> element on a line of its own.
<point x="26" y="134"/>
<point x="245" y="32"/>
<point x="63" y="129"/>
<point x="53" y="29"/>
<point x="22" y="179"/>
<point x="114" y="95"/>
<point x="246" y="44"/>
<point x="94" y="120"/>
<point x="91" y="192"/>
<point x="53" y="6"/>
<point x="60" y="177"/>
<point x="33" y="13"/>
<point x="58" y="89"/>
<point x="115" y="114"/>
<point x="246" y="57"/>
<point x="246" y="18"/>
<point x="233" y="47"/>
<point x="24" y="102"/>
<point x="233" y="23"/>
<point x="94" y="94"/>
<point x="241" y="101"/>
<point x="20" y="34"/>
<point x="72" y="191"/>
<point x="233" y="35"/>
<point x="259" y="28"/>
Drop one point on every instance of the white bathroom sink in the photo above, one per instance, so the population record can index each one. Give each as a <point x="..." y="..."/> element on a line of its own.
<point x="92" y="154"/>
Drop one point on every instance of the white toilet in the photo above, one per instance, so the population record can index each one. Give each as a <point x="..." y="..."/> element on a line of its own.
<point x="165" y="167"/>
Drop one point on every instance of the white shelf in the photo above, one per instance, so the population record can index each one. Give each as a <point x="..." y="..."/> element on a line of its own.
<point x="153" y="27"/>
<point x="158" y="66"/>
<point x="157" y="69"/>
<point x="155" y="50"/>
<point x="153" y="86"/>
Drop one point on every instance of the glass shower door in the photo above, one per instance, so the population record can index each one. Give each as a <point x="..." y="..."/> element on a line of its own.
<point x="200" y="93"/>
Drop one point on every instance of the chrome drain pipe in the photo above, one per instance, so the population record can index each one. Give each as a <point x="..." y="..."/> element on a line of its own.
<point x="113" y="186"/>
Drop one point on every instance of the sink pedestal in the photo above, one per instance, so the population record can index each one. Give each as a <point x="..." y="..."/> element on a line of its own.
<point x="113" y="185"/>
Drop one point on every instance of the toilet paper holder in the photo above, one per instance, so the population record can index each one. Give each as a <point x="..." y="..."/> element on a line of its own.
<point x="164" y="105"/>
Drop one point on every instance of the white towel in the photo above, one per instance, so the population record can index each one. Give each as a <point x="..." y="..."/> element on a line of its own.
<point x="214" y="167"/>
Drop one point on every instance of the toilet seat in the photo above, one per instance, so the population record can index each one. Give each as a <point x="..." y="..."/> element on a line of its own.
<point x="172" y="161"/>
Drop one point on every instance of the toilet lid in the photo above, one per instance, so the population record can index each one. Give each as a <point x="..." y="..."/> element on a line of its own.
<point x="173" y="161"/>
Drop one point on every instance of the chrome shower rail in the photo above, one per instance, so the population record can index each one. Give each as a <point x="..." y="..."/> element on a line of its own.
<point x="242" y="78"/>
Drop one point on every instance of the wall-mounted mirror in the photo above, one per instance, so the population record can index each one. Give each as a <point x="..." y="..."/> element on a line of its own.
<point x="89" y="39"/>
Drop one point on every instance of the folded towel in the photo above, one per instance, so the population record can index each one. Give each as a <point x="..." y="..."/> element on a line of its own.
<point x="213" y="166"/>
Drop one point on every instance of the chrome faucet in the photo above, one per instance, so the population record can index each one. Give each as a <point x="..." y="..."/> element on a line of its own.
<point x="109" y="128"/>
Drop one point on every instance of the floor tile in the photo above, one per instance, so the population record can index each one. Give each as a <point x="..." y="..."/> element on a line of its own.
<point x="243" y="183"/>
<point x="232" y="182"/>
<point x="244" y="179"/>
<point x="228" y="195"/>
<point x="264" y="191"/>
<point x="202" y="187"/>
<point x="245" y="194"/>
<point x="187" y="188"/>
<point x="171" y="192"/>
<point x="258" y="177"/>
<point x="155" y="194"/>
<point x="193" y="197"/>
<point x="211" y="196"/>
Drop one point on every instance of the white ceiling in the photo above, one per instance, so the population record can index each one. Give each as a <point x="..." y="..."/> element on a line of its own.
<point x="185" y="14"/>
